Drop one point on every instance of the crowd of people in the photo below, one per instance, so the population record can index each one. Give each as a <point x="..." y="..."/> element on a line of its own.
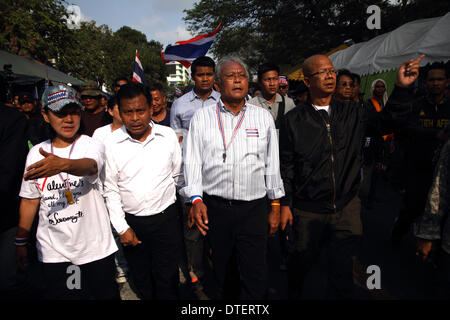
<point x="128" y="189"/>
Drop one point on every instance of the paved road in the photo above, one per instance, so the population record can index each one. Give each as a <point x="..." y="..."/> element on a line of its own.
<point x="403" y="275"/>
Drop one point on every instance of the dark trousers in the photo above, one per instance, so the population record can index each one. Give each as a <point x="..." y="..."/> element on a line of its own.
<point x="414" y="200"/>
<point x="153" y="264"/>
<point x="240" y="228"/>
<point x="443" y="290"/>
<point x="96" y="280"/>
<point x="193" y="241"/>
<point x="311" y="231"/>
<point x="369" y="182"/>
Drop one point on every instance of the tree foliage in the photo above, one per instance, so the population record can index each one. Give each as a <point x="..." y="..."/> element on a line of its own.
<point x="290" y="30"/>
<point x="35" y="28"/>
<point x="38" y="29"/>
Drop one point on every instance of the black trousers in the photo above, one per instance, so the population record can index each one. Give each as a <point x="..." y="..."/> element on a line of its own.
<point x="417" y="188"/>
<point x="238" y="228"/>
<point x="153" y="264"/>
<point x="341" y="232"/>
<point x="91" y="281"/>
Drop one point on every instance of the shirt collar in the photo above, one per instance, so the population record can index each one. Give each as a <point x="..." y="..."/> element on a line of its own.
<point x="124" y="135"/>
<point x="222" y="107"/>
<point x="214" y="95"/>
<point x="263" y="100"/>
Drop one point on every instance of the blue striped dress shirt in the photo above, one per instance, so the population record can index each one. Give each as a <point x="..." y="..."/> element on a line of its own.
<point x="251" y="168"/>
<point x="185" y="106"/>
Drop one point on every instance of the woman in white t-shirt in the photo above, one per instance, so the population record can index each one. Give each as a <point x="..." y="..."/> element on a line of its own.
<point x="74" y="238"/>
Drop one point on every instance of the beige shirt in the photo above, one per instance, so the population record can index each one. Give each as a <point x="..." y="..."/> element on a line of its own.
<point x="273" y="108"/>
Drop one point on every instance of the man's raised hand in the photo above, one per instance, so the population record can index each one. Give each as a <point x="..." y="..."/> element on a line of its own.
<point x="408" y="72"/>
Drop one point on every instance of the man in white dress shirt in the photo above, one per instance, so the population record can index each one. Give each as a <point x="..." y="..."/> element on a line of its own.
<point x="143" y="162"/>
<point x="231" y="170"/>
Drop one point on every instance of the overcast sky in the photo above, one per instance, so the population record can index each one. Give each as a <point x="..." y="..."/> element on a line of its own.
<point x="160" y="20"/>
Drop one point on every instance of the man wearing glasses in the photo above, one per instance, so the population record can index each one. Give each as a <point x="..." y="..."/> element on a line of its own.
<point x="94" y="115"/>
<point x="320" y="156"/>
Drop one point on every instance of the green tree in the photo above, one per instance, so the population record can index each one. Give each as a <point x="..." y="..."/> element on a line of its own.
<point x="87" y="57"/>
<point x="131" y="35"/>
<point x="38" y="29"/>
<point x="35" y="28"/>
<point x="289" y="31"/>
<point x="126" y="42"/>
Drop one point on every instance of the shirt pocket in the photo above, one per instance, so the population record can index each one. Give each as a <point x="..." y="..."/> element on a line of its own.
<point x="256" y="145"/>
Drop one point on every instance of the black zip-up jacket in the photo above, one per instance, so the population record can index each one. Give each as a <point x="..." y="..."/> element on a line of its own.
<point x="419" y="135"/>
<point x="13" y="153"/>
<point x="320" y="167"/>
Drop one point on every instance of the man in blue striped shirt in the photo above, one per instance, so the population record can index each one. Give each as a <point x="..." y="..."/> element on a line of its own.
<point x="202" y="95"/>
<point x="231" y="170"/>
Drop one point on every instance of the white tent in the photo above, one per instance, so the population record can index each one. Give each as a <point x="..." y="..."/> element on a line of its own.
<point x="388" y="51"/>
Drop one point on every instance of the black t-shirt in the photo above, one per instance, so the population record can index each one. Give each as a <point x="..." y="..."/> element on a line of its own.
<point x="166" y="120"/>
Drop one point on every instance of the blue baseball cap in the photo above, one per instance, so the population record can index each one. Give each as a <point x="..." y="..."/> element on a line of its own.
<point x="57" y="97"/>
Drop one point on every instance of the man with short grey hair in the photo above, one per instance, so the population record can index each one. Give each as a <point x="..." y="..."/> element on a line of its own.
<point x="231" y="172"/>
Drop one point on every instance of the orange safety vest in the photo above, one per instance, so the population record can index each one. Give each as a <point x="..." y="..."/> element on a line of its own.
<point x="377" y="106"/>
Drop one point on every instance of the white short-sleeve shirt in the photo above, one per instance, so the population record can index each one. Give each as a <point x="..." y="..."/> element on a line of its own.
<point x="78" y="233"/>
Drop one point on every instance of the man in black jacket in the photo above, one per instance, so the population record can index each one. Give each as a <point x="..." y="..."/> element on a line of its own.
<point x="13" y="153"/>
<point x="320" y="155"/>
<point x="421" y="138"/>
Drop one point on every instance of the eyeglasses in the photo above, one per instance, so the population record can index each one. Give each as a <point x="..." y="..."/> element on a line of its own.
<point x="323" y="73"/>
<point x="89" y="97"/>
<point x="283" y="87"/>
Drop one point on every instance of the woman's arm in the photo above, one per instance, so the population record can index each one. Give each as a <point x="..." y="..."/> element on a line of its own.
<point x="51" y="165"/>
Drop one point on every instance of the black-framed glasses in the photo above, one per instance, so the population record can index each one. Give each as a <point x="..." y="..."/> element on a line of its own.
<point x="89" y="97"/>
<point x="323" y="72"/>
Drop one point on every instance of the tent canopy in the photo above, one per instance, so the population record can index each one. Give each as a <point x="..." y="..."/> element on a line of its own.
<point x="388" y="51"/>
<point x="29" y="71"/>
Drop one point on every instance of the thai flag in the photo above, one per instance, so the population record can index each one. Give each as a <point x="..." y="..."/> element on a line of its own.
<point x="178" y="92"/>
<point x="138" y="73"/>
<point x="252" y="133"/>
<point x="185" y="52"/>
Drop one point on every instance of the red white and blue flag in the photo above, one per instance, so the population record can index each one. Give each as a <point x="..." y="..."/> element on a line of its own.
<point x="138" y="73"/>
<point x="252" y="133"/>
<point x="185" y="52"/>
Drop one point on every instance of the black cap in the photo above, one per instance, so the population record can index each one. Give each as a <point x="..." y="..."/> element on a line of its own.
<point x="25" y="97"/>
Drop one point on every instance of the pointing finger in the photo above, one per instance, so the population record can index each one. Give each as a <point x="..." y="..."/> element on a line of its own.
<point x="420" y="58"/>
